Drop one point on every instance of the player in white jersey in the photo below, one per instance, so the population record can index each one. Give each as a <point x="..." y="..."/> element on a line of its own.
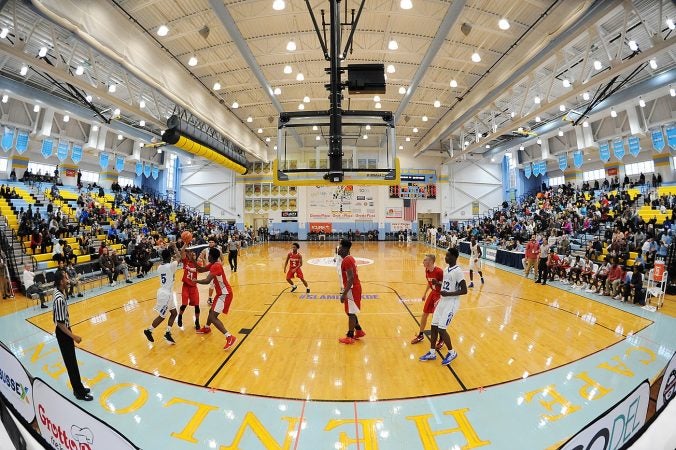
<point x="474" y="261"/>
<point x="452" y="287"/>
<point x="165" y="295"/>
<point x="339" y="260"/>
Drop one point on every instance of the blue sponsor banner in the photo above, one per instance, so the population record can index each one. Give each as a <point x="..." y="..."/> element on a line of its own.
<point x="578" y="158"/>
<point x="156" y="172"/>
<point x="671" y="137"/>
<point x="22" y="141"/>
<point x="543" y="167"/>
<point x="62" y="150"/>
<point x="139" y="168"/>
<point x="103" y="160"/>
<point x="604" y="151"/>
<point x="147" y="170"/>
<point x="7" y="141"/>
<point x="527" y="170"/>
<point x="563" y="161"/>
<point x="634" y="146"/>
<point x="76" y="153"/>
<point x="119" y="163"/>
<point x="658" y="140"/>
<point x="47" y="147"/>
<point x="618" y="149"/>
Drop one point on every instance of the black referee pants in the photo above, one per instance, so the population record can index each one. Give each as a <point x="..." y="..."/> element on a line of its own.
<point x="67" y="347"/>
<point x="232" y="259"/>
<point x="543" y="271"/>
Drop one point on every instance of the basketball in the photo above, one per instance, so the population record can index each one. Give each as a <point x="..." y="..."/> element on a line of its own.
<point x="186" y="237"/>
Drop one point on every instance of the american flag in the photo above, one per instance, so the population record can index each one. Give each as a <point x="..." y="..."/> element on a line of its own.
<point x="410" y="213"/>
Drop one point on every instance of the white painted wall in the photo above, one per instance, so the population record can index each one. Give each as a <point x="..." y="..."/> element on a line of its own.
<point x="470" y="181"/>
<point x="206" y="182"/>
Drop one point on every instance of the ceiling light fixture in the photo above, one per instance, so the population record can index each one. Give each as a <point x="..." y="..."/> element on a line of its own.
<point x="613" y="113"/>
<point x="301" y="106"/>
<point x="415" y="130"/>
<point x="192" y="62"/>
<point x="376" y="98"/>
<point x="235" y="105"/>
<point x="503" y="24"/>
<point x="162" y="30"/>
<point x="24" y="70"/>
<point x="633" y="46"/>
<point x="437" y="103"/>
<point x="112" y="88"/>
<point x="562" y="108"/>
<point x="566" y="82"/>
<point x="653" y="64"/>
<point x="424" y="118"/>
<point x="401" y="147"/>
<point x="454" y="83"/>
<point x="476" y="57"/>
<point x="5" y="98"/>
<point x="521" y="147"/>
<point x="314" y="128"/>
<point x="4" y="33"/>
<point x="288" y="69"/>
<point x="318" y="138"/>
<point x="512" y="114"/>
<point x="402" y="90"/>
<point x="538" y="119"/>
<point x="539" y="141"/>
<point x="142" y="123"/>
<point x="249" y="119"/>
<point x="95" y="127"/>
<point x="88" y="98"/>
<point x="537" y="100"/>
<point x="378" y="105"/>
<point x="560" y="133"/>
<point x="267" y="139"/>
<point x="641" y="102"/>
<point x="260" y="131"/>
<point x="278" y="5"/>
<point x="392" y="45"/>
<point x="390" y="68"/>
<point x="300" y="77"/>
<point x="142" y="104"/>
<point x="277" y="91"/>
<point x="488" y="145"/>
<point x="43" y="52"/>
<point x="217" y="86"/>
<point x="585" y="124"/>
<point x="406" y="4"/>
<point x="66" y="118"/>
<point x="585" y="96"/>
<point x="79" y="70"/>
<point x="672" y="91"/>
<point x="291" y="46"/>
<point x="306" y="99"/>
<point x="408" y="139"/>
<point x="670" y="24"/>
<point x="116" y="112"/>
<point x="120" y="137"/>
<point x="366" y="136"/>
<point x="598" y="65"/>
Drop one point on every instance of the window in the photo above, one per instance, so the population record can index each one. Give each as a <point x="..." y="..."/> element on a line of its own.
<point x="639" y="168"/>
<point x="3" y="165"/>
<point x="171" y="172"/>
<point x="124" y="181"/>
<point x="41" y="169"/>
<point x="90" y="177"/>
<point x="557" y="181"/>
<point x="592" y="175"/>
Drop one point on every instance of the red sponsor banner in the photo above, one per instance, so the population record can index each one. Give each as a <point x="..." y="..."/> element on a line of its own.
<point x="317" y="227"/>
<point x="71" y="172"/>
<point x="612" y="171"/>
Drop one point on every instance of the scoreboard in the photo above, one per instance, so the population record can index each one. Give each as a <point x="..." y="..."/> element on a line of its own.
<point x="416" y="186"/>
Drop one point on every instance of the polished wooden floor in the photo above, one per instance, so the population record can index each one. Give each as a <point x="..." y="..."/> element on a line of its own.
<point x="287" y="345"/>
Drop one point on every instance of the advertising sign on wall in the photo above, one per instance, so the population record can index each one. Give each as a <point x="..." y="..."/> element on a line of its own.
<point x="65" y="426"/>
<point x="342" y="202"/>
<point x="394" y="213"/>
<point x="400" y="226"/>
<point x="321" y="227"/>
<point x="15" y="385"/>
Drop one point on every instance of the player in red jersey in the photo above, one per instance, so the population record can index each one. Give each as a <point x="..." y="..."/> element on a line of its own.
<point x="434" y="275"/>
<point x="190" y="295"/>
<point x="351" y="296"/>
<point x="295" y="260"/>
<point x="223" y="299"/>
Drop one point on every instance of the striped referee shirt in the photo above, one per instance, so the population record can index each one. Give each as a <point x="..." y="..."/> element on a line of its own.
<point x="60" y="309"/>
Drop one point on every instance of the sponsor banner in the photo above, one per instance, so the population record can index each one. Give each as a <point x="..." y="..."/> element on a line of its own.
<point x="67" y="427"/>
<point x="7" y="141"/>
<point x="489" y="253"/>
<point x="342" y="202"/>
<point x="22" y="142"/>
<point x="139" y="168"/>
<point x="62" y="150"/>
<point x="617" y="425"/>
<point x="71" y="172"/>
<point x="612" y="171"/>
<point x="578" y="158"/>
<point x="618" y="149"/>
<point x="103" y="160"/>
<point x="47" y="147"/>
<point x="289" y="213"/>
<point x="316" y="227"/>
<point x="658" y="140"/>
<point x="330" y="261"/>
<point x="394" y="213"/>
<point x="563" y="162"/>
<point x="527" y="170"/>
<point x="156" y="172"/>
<point x="400" y="226"/>
<point x="634" y="146"/>
<point x="335" y="297"/>
<point x="119" y="163"/>
<point x="671" y="137"/>
<point x="76" y="153"/>
<point x="604" y="151"/>
<point x="15" y="385"/>
<point x="668" y="386"/>
<point x="147" y="170"/>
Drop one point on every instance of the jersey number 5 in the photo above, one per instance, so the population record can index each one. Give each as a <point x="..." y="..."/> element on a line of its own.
<point x="163" y="277"/>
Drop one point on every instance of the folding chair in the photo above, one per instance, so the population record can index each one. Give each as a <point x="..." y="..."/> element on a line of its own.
<point x="656" y="288"/>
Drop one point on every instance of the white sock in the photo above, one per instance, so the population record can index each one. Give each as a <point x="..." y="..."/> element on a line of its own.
<point x="227" y="334"/>
<point x="151" y="328"/>
<point x="169" y="329"/>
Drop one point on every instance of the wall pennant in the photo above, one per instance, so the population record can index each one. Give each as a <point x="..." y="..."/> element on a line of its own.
<point x="76" y="153"/>
<point x="578" y="158"/>
<point x="604" y="151"/>
<point x="147" y="170"/>
<point x="47" y="147"/>
<point x="634" y="146"/>
<point x="671" y="137"/>
<point x="119" y="163"/>
<point x="658" y="140"/>
<point x="62" y="150"/>
<point x="156" y="172"/>
<point x="7" y="141"/>
<point x="103" y="160"/>
<point x="563" y="162"/>
<point x="543" y="167"/>
<point x="139" y="168"/>
<point x="618" y="148"/>
<point x="527" y="170"/>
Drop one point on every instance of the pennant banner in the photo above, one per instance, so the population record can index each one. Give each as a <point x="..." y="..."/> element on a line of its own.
<point x="658" y="140"/>
<point x="634" y="146"/>
<point x="62" y="150"/>
<point x="7" y="141"/>
<point x="618" y="149"/>
<point x="146" y="170"/>
<point x="604" y="151"/>
<point x="76" y="153"/>
<point x="543" y="167"/>
<point x="119" y="163"/>
<point x="139" y="168"/>
<point x="156" y="172"/>
<point x="22" y="141"/>
<point x="47" y="147"/>
<point x="671" y="137"/>
<point x="527" y="170"/>
<point x="578" y="158"/>
<point x="103" y="160"/>
<point x="563" y="162"/>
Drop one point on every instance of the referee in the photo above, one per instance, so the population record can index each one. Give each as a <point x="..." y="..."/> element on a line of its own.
<point x="233" y="248"/>
<point x="65" y="337"/>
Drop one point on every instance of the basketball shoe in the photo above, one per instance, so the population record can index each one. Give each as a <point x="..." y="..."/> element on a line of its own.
<point x="168" y="337"/>
<point x="293" y="288"/>
<point x="347" y="340"/>
<point x="471" y="284"/>
<point x="429" y="356"/>
<point x="449" y="358"/>
<point x="359" y="334"/>
<point x="204" y="330"/>
<point x="418" y="338"/>
<point x="149" y="335"/>
<point x="229" y="341"/>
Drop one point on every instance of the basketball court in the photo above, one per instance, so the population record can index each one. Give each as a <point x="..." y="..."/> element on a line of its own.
<point x="540" y="360"/>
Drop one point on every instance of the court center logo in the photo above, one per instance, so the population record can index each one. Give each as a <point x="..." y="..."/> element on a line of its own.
<point x="330" y="261"/>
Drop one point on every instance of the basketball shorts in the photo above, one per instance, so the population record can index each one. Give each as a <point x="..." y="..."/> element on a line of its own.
<point x="475" y="265"/>
<point x="190" y="295"/>
<point x="222" y="303"/>
<point x="431" y="302"/>
<point x="165" y="302"/>
<point x="353" y="302"/>
<point x="443" y="314"/>
<point x="298" y="273"/>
